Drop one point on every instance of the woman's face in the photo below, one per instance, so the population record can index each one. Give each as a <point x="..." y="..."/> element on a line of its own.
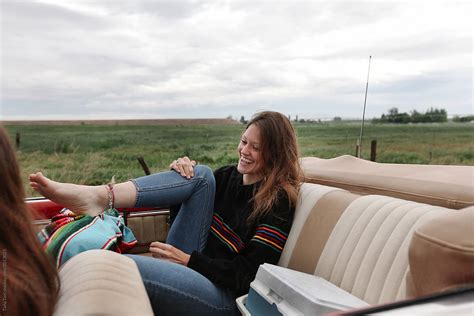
<point x="250" y="155"/>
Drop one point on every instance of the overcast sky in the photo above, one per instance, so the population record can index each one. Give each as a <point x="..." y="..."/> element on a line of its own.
<point x="193" y="59"/>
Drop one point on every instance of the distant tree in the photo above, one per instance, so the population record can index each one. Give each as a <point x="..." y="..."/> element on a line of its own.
<point x="396" y="117"/>
<point x="462" y="119"/>
<point x="416" y="117"/>
<point x="436" y="115"/>
<point x="393" y="112"/>
<point x="403" y="118"/>
<point x="242" y="120"/>
<point x="443" y="115"/>
<point x="383" y="119"/>
<point x="432" y="115"/>
<point x="337" y="119"/>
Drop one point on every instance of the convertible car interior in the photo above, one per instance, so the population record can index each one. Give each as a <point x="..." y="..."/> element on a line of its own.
<point x="381" y="232"/>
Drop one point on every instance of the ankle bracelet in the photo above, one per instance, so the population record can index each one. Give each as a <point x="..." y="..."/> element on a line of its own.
<point x="110" y="196"/>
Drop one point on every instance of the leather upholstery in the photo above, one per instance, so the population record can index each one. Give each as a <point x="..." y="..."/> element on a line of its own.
<point x="442" y="253"/>
<point x="101" y="282"/>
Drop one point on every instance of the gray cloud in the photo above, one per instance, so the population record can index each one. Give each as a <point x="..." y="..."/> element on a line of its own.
<point x="206" y="58"/>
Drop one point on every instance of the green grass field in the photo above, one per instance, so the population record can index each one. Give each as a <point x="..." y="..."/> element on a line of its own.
<point x="93" y="154"/>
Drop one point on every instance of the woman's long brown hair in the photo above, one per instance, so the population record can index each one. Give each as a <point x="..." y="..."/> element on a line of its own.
<point x="282" y="170"/>
<point x="29" y="280"/>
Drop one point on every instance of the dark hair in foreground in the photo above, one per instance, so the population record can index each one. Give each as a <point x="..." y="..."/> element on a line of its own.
<point x="27" y="275"/>
<point x="282" y="170"/>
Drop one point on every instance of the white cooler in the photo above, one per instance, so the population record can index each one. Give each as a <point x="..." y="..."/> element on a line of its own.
<point x="281" y="291"/>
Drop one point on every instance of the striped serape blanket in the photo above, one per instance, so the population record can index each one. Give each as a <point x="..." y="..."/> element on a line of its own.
<point x="69" y="234"/>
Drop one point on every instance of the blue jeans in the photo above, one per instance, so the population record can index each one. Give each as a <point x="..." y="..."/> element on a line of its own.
<point x="174" y="289"/>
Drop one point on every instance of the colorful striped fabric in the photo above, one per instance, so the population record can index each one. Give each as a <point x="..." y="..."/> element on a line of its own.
<point x="225" y="234"/>
<point x="270" y="236"/>
<point x="69" y="234"/>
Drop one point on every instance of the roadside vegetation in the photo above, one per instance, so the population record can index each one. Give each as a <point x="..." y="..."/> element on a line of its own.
<point x="93" y="154"/>
<point x="433" y="115"/>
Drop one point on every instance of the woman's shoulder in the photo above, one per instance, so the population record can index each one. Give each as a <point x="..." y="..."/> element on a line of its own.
<point x="227" y="168"/>
<point x="226" y="171"/>
<point x="282" y="210"/>
<point x="228" y="179"/>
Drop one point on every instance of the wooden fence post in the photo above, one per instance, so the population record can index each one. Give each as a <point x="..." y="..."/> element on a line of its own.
<point x="373" y="150"/>
<point x="144" y="165"/>
<point x="17" y="140"/>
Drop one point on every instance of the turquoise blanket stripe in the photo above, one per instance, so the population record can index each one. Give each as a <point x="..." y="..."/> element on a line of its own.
<point x="68" y="234"/>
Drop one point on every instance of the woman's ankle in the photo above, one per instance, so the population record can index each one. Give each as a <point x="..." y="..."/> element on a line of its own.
<point x="124" y="195"/>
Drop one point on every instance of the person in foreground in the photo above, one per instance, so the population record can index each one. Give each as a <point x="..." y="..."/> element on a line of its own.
<point x="29" y="282"/>
<point x="229" y="222"/>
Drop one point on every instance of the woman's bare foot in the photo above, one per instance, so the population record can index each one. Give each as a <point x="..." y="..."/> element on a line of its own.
<point x="81" y="199"/>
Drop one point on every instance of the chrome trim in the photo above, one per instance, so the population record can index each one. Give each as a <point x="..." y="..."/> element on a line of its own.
<point x="41" y="221"/>
<point x="36" y="199"/>
<point x="147" y="213"/>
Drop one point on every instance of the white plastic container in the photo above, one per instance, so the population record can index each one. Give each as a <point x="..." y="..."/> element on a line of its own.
<point x="281" y="291"/>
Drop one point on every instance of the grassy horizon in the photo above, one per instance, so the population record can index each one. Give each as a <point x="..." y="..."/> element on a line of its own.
<point x="93" y="154"/>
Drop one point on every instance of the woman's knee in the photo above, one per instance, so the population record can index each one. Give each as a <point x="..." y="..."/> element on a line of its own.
<point x="205" y="172"/>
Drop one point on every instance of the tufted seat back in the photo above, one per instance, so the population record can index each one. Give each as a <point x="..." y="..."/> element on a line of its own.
<point x="359" y="243"/>
<point x="367" y="252"/>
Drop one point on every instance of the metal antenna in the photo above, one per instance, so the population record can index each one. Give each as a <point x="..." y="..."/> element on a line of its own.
<point x="359" y="141"/>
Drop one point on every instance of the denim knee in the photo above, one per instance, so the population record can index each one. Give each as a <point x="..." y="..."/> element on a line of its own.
<point x="205" y="172"/>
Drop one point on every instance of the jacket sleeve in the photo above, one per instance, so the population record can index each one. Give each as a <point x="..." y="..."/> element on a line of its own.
<point x="265" y="246"/>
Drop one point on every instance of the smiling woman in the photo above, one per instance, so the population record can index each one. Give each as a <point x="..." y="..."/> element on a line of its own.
<point x="229" y="223"/>
<point x="268" y="151"/>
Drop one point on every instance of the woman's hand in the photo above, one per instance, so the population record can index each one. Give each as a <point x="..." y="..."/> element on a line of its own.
<point x="184" y="166"/>
<point x="167" y="252"/>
